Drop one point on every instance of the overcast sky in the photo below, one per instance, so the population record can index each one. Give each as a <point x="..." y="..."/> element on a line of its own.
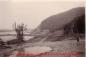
<point x="31" y="13"/>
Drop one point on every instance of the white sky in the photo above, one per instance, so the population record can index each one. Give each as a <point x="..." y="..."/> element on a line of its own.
<point x="42" y="0"/>
<point x="31" y="13"/>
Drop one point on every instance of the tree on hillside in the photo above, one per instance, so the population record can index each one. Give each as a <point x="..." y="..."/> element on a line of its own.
<point x="19" y="29"/>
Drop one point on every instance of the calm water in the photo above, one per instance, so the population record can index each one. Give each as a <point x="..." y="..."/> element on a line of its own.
<point x="8" y="38"/>
<point x="36" y="50"/>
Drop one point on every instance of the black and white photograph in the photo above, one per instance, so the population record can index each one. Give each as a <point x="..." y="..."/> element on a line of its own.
<point x="30" y="28"/>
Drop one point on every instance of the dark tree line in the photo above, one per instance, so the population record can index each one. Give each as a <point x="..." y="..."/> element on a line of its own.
<point x="76" y="26"/>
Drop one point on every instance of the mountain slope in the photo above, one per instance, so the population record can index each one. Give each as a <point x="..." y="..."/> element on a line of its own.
<point x="61" y="25"/>
<point x="58" y="21"/>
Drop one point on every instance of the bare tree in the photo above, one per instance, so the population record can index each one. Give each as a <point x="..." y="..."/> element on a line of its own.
<point x="20" y="29"/>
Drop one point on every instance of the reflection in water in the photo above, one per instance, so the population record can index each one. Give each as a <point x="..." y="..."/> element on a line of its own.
<point x="21" y="51"/>
<point x="37" y="50"/>
<point x="15" y="53"/>
<point x="30" y="51"/>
